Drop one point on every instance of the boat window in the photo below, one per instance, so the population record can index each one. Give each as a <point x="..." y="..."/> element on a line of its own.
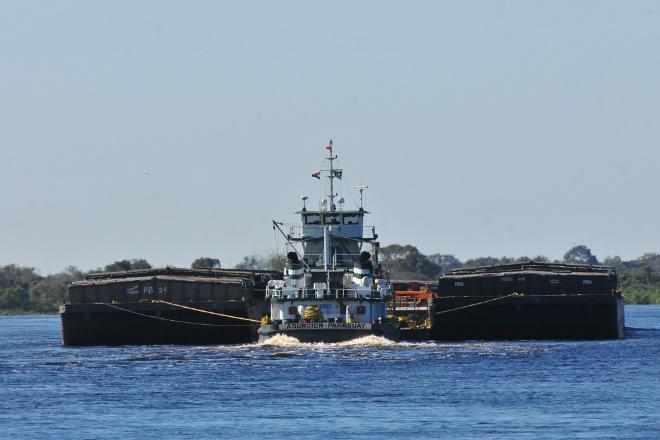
<point x="554" y="281"/>
<point x="459" y="284"/>
<point x="521" y="278"/>
<point x="331" y="219"/>
<point x="312" y="219"/>
<point x="351" y="219"/>
<point x="507" y="279"/>
<point x="587" y="282"/>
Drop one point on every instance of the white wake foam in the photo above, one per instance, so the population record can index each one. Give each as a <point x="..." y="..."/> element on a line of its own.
<point x="365" y="341"/>
<point x="280" y="340"/>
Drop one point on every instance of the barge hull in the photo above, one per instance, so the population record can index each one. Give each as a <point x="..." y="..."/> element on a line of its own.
<point x="149" y="324"/>
<point x="529" y="317"/>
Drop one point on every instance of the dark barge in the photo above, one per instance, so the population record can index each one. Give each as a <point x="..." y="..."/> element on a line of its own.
<point x="122" y="308"/>
<point x="528" y="300"/>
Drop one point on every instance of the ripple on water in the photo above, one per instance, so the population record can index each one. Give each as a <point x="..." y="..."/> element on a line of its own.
<point x="467" y="389"/>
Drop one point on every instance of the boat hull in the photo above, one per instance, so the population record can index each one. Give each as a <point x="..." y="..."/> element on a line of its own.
<point x="324" y="332"/>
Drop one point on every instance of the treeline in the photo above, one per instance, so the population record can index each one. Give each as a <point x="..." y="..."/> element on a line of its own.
<point x="407" y="262"/>
<point x="23" y="290"/>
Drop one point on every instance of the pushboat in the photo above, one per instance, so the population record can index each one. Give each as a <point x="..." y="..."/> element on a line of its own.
<point x="333" y="288"/>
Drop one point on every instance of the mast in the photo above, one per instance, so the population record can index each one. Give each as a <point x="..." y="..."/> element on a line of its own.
<point x="327" y="245"/>
<point x="331" y="176"/>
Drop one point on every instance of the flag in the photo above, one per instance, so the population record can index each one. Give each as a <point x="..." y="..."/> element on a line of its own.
<point x="317" y="175"/>
<point x="329" y="147"/>
<point x="337" y="173"/>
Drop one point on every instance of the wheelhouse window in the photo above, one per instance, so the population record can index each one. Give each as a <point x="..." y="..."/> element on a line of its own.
<point x="351" y="219"/>
<point x="331" y="219"/>
<point x="459" y="284"/>
<point x="587" y="282"/>
<point x="312" y="219"/>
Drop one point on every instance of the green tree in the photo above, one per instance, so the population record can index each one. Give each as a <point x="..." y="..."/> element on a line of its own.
<point x="406" y="262"/>
<point x="541" y="259"/>
<point x="140" y="263"/>
<point x="14" y="298"/>
<point x="125" y="265"/>
<point x="614" y="261"/>
<point x="251" y="262"/>
<point x="206" y="263"/>
<point x="46" y="294"/>
<point x="580" y="254"/>
<point x="118" y="266"/>
<point x="487" y="261"/>
<point x="274" y="261"/>
<point x="447" y="263"/>
<point x="13" y="275"/>
<point x="650" y="260"/>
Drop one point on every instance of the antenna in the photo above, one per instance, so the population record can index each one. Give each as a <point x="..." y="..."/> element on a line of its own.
<point x="304" y="199"/>
<point x="331" y="176"/>
<point x="361" y="188"/>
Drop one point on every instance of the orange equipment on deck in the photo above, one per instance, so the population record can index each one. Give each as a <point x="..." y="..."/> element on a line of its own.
<point x="418" y="295"/>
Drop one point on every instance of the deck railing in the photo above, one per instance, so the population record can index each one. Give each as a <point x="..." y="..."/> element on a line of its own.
<point x="338" y="260"/>
<point x="326" y="294"/>
<point x="409" y="305"/>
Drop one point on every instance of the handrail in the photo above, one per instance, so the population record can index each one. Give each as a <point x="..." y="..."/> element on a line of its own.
<point x="338" y="260"/>
<point x="332" y="294"/>
<point x="344" y="262"/>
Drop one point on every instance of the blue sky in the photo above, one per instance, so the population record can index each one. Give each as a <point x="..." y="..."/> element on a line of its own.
<point x="172" y="130"/>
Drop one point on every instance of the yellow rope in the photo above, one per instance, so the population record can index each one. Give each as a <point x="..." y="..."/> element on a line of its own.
<point x="479" y="303"/>
<point x="176" y="320"/>
<point x="204" y="311"/>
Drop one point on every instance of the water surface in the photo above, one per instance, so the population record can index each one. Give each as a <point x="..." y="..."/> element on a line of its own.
<point x="371" y="388"/>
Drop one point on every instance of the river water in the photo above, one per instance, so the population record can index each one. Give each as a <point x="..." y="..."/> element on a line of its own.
<point x="370" y="388"/>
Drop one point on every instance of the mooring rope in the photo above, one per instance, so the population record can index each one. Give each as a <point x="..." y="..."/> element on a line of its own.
<point x="175" y="320"/>
<point x="157" y="301"/>
<point x="479" y="303"/>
